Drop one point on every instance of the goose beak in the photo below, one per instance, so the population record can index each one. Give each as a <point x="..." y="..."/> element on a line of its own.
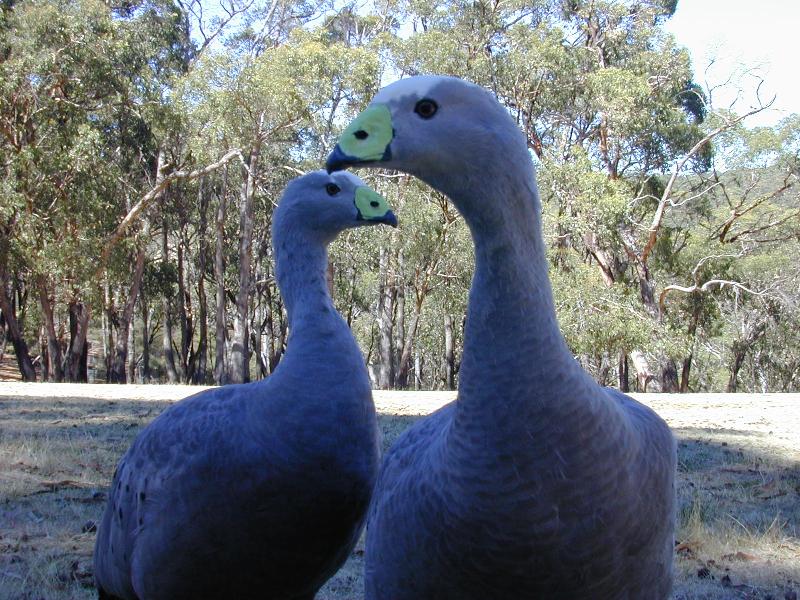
<point x="366" y="140"/>
<point x="388" y="219"/>
<point x="371" y="206"/>
<point x="338" y="160"/>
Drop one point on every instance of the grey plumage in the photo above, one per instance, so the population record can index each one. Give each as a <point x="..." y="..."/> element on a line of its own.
<point x="536" y="482"/>
<point x="257" y="490"/>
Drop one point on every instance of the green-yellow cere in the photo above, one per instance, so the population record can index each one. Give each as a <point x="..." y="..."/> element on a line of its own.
<point x="376" y="122"/>
<point x="370" y="204"/>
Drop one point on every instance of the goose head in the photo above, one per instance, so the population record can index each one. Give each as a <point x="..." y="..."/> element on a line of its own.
<point x="322" y="205"/>
<point x="444" y="130"/>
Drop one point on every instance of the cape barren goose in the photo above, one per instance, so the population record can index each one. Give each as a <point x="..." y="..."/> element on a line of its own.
<point x="536" y="482"/>
<point x="258" y="490"/>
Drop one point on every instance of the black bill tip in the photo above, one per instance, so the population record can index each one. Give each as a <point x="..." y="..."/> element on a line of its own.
<point x="389" y="219"/>
<point x="338" y="160"/>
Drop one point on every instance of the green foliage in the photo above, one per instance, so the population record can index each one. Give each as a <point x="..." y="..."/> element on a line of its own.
<point x="597" y="319"/>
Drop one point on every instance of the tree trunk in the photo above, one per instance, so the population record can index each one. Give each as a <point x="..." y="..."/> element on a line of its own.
<point x="407" y="340"/>
<point x="107" y="320"/>
<point x="199" y="371"/>
<point x="449" y="354"/>
<point x="739" y="352"/>
<point x="280" y="345"/>
<point x="643" y="373"/>
<point x="330" y="277"/>
<point x="269" y="329"/>
<point x="260" y="341"/>
<point x="76" y="368"/>
<point x="184" y="317"/>
<point x="669" y="376"/>
<point x="385" y="313"/>
<point x="119" y="367"/>
<point x="240" y="346"/>
<point x="42" y="355"/>
<point x="605" y="370"/>
<point x="131" y="362"/>
<point x="220" y="330"/>
<point x="760" y="372"/>
<point x="166" y="337"/>
<point x="351" y="304"/>
<point x="605" y="260"/>
<point x="685" y="372"/>
<point x="687" y="362"/>
<point x="668" y="371"/>
<point x="3" y="335"/>
<point x="55" y="370"/>
<point x="400" y="321"/>
<point x="24" y="361"/>
<point x="624" y="384"/>
<point x="145" y="372"/>
<point x="752" y="332"/>
<point x="404" y="364"/>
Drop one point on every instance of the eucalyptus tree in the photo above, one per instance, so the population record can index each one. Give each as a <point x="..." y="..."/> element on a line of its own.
<point x="738" y="225"/>
<point x="156" y="48"/>
<point x="55" y="91"/>
<point x="78" y="81"/>
<point x="274" y="106"/>
<point x="607" y="102"/>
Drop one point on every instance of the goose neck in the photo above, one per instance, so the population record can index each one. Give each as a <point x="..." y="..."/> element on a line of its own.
<point x="514" y="352"/>
<point x="301" y="272"/>
<point x="319" y="339"/>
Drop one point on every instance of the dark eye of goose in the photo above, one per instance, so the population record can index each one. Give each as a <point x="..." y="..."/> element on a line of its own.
<point x="332" y="189"/>
<point x="426" y="108"/>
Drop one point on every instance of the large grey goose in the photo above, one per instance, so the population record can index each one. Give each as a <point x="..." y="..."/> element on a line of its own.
<point x="536" y="482"/>
<point x="258" y="490"/>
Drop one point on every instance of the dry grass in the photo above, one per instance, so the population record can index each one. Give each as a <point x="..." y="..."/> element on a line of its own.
<point x="739" y="486"/>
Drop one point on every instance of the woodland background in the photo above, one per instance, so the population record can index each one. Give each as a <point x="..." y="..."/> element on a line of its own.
<point x="144" y="144"/>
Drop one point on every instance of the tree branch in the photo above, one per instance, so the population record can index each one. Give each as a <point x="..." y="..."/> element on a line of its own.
<point x="146" y="200"/>
<point x="658" y="217"/>
<point x="704" y="287"/>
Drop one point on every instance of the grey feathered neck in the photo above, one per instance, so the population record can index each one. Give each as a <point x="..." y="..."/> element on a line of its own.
<point x="301" y="260"/>
<point x="320" y="342"/>
<point x="512" y="339"/>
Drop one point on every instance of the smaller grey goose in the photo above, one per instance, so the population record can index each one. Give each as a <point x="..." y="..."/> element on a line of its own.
<point x="258" y="490"/>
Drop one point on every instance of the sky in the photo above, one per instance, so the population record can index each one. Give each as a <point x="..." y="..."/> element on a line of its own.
<point x="761" y="36"/>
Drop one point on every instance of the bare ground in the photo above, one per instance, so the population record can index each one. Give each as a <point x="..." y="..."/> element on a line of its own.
<point x="739" y="485"/>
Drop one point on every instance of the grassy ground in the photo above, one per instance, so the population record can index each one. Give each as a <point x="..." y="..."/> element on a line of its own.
<point x="739" y="486"/>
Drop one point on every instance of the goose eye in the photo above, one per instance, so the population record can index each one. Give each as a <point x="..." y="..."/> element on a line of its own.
<point x="332" y="189"/>
<point x="426" y="108"/>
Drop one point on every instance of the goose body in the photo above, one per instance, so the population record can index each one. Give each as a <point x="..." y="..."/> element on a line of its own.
<point x="535" y="482"/>
<point x="257" y="490"/>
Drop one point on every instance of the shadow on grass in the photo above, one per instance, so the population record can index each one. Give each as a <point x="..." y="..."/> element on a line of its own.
<point x="738" y="530"/>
